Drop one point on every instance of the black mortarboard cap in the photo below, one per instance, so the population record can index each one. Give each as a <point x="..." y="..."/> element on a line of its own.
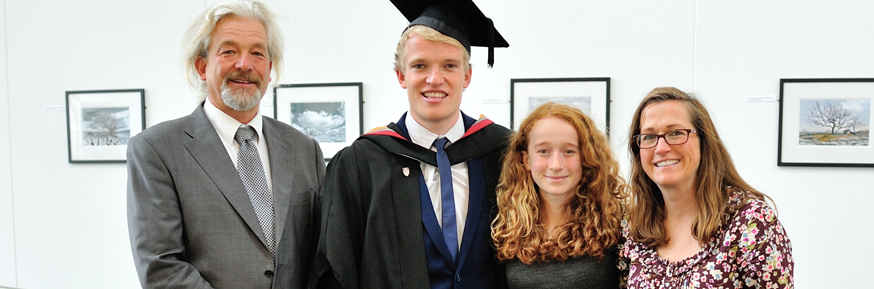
<point x="459" y="19"/>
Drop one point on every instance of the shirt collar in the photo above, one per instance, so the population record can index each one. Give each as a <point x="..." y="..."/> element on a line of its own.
<point x="425" y="138"/>
<point x="226" y="126"/>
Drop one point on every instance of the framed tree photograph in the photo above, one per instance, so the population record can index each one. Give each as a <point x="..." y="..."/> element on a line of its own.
<point x="331" y="113"/>
<point x="825" y="122"/>
<point x="101" y="122"/>
<point x="590" y="95"/>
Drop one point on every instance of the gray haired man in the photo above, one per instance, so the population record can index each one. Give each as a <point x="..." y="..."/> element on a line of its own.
<point x="223" y="197"/>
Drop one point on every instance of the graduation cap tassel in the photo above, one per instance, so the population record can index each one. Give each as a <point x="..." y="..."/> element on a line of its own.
<point x="491" y="42"/>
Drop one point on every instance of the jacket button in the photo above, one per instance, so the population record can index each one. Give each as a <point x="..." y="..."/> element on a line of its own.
<point x="458" y="278"/>
<point x="268" y="274"/>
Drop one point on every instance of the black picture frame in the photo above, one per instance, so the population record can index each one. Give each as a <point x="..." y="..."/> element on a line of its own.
<point x="825" y="122"/>
<point x="101" y="122"/>
<point x="576" y="92"/>
<point x="342" y="100"/>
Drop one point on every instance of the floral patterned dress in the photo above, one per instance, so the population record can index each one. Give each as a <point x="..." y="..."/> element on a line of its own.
<point x="750" y="250"/>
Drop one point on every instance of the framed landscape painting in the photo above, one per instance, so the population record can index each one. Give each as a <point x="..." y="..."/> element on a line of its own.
<point x="590" y="95"/>
<point x="101" y="122"/>
<point x="826" y="122"/>
<point x="328" y="112"/>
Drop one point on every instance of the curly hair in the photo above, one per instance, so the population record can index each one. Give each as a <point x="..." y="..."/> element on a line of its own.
<point x="594" y="214"/>
<point x="716" y="172"/>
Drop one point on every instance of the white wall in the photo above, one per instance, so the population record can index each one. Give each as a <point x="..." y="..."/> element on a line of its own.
<point x="7" y="230"/>
<point x="70" y="224"/>
<point x="63" y="225"/>
<point x="744" y="48"/>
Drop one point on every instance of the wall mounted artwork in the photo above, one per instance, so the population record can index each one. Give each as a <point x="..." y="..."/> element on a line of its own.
<point x="826" y="122"/>
<point x="331" y="113"/>
<point x="101" y="122"/>
<point x="590" y="95"/>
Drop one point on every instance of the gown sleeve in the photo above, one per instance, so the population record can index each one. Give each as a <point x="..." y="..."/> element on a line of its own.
<point x="343" y="221"/>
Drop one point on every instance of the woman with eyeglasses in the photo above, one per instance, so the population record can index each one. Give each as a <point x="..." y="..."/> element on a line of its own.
<point x="693" y="221"/>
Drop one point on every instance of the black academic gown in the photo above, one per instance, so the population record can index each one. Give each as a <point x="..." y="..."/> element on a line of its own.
<point x="373" y="235"/>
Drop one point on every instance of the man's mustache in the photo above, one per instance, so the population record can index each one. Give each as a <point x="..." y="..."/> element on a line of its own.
<point x="243" y="76"/>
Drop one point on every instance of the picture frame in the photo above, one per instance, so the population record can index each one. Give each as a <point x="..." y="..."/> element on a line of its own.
<point x="331" y="113"/>
<point x="825" y="122"/>
<point x="591" y="95"/>
<point x="101" y="122"/>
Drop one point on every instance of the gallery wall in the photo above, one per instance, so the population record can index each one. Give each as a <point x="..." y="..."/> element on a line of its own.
<point x="7" y="236"/>
<point x="64" y="225"/>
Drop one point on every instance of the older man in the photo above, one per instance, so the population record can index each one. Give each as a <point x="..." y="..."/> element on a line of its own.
<point x="408" y="205"/>
<point x="223" y="197"/>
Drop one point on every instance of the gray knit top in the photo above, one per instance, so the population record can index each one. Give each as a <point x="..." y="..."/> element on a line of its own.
<point x="582" y="272"/>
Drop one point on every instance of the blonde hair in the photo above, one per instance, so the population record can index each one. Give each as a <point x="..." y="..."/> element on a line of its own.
<point x="426" y="33"/>
<point x="715" y="173"/>
<point x="198" y="37"/>
<point x="595" y="213"/>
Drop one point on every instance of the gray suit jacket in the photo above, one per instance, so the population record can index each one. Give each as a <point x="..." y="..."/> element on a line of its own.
<point x="191" y="222"/>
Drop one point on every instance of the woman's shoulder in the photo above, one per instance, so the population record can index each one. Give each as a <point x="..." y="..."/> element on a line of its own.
<point x="624" y="226"/>
<point x="756" y="239"/>
<point x="750" y="208"/>
<point x="753" y="223"/>
<point x="628" y="248"/>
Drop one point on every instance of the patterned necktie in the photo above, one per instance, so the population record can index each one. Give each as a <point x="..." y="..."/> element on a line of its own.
<point x="450" y="233"/>
<point x="252" y="173"/>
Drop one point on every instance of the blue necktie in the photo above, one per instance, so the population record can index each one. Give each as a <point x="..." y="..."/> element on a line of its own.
<point x="450" y="233"/>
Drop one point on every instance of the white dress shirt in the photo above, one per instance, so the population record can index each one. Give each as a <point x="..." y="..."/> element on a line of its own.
<point x="226" y="127"/>
<point x="460" y="180"/>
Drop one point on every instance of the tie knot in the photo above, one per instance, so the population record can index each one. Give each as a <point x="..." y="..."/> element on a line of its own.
<point x="440" y="143"/>
<point x="244" y="133"/>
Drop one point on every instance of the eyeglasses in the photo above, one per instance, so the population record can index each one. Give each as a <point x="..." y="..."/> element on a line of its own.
<point x="674" y="137"/>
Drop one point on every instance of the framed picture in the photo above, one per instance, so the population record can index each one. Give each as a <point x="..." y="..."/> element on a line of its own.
<point x="101" y="122"/>
<point x="825" y="122"/>
<point x="590" y="95"/>
<point x="328" y="112"/>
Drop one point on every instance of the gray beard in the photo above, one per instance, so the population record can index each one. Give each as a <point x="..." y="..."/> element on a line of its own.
<point x="239" y="101"/>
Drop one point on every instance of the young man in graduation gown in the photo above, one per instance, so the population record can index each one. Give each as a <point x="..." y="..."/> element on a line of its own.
<point x="399" y="212"/>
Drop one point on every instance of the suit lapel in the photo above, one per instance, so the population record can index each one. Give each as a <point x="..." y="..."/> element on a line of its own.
<point x="474" y="208"/>
<point x="432" y="227"/>
<point x="282" y="179"/>
<point x="426" y="215"/>
<point x="204" y="146"/>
